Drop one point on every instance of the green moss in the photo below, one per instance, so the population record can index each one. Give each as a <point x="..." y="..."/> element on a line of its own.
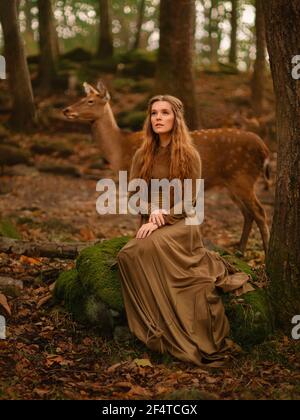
<point x="98" y="271"/>
<point x="250" y="317"/>
<point x="8" y="229"/>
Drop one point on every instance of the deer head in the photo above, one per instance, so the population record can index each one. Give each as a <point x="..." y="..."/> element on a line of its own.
<point x="92" y="106"/>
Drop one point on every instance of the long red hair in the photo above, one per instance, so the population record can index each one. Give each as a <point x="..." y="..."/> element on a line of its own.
<point x="182" y="147"/>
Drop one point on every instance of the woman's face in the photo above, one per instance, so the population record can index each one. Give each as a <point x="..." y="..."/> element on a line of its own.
<point x="162" y="117"/>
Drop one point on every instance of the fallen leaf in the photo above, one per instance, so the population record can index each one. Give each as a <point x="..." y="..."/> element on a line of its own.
<point x="123" y="385"/>
<point x="29" y="260"/>
<point x="4" y="304"/>
<point x="143" y="362"/>
<point x="113" y="368"/>
<point x="41" y="392"/>
<point x="44" y="300"/>
<point x="138" y="390"/>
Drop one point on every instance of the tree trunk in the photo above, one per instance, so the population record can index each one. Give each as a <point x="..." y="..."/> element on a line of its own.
<point x="48" y="44"/>
<point x="259" y="75"/>
<point x="282" y="21"/>
<point x="175" y="69"/>
<point x="139" y="24"/>
<point x="233" y="37"/>
<point x="105" y="48"/>
<point x="23" y="111"/>
<point x="29" y="33"/>
<point x="214" y="40"/>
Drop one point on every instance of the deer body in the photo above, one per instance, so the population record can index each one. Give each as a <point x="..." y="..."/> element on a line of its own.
<point x="231" y="158"/>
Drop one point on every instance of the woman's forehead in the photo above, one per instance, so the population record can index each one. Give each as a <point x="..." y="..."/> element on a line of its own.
<point x="160" y="105"/>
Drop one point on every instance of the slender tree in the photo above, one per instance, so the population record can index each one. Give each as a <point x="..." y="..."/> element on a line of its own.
<point x="175" y="69"/>
<point x="23" y="115"/>
<point x="48" y="44"/>
<point x="214" y="35"/>
<point x="105" y="46"/>
<point x="282" y="21"/>
<point x="259" y="74"/>
<point x="233" y="35"/>
<point x="140" y="19"/>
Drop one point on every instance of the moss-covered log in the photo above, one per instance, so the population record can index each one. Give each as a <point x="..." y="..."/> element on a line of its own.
<point x="92" y="293"/>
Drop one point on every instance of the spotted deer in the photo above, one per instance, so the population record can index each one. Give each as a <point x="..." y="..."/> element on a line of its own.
<point x="231" y="158"/>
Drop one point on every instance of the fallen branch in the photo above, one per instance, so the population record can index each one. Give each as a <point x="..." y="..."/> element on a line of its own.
<point x="64" y="250"/>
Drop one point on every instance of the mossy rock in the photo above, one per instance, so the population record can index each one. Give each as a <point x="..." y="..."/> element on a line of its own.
<point x="10" y="155"/>
<point x="45" y="147"/>
<point x="138" y="63"/>
<point x="98" y="271"/>
<point x="8" y="229"/>
<point x="134" y="86"/>
<point x="77" y="55"/>
<point x="250" y="317"/>
<point x="59" y="169"/>
<point x="133" y="120"/>
<point x="108" y="65"/>
<point x="92" y="292"/>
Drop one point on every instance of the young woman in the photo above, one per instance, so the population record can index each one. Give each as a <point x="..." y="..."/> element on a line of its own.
<point x="170" y="282"/>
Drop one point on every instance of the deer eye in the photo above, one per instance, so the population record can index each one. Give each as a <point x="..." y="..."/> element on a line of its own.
<point x="91" y="102"/>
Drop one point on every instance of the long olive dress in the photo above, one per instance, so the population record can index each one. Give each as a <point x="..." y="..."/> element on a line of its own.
<point x="171" y="283"/>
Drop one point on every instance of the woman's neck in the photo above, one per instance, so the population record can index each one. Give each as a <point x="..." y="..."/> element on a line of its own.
<point x="164" y="139"/>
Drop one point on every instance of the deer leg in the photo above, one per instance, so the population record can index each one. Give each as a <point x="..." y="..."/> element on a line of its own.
<point x="248" y="221"/>
<point x="261" y="221"/>
<point x="251" y="205"/>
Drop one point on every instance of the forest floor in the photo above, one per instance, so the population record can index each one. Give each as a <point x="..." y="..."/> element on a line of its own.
<point x="47" y="355"/>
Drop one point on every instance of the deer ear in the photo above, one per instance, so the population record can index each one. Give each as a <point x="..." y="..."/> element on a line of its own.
<point x="103" y="90"/>
<point x="89" y="89"/>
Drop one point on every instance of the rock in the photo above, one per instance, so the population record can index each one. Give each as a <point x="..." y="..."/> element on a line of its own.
<point x="8" y="229"/>
<point x="11" y="286"/>
<point x="10" y="155"/>
<point x="57" y="148"/>
<point x="92" y="290"/>
<point x="60" y="169"/>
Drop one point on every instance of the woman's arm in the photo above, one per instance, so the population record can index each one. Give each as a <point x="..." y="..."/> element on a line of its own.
<point x="172" y="218"/>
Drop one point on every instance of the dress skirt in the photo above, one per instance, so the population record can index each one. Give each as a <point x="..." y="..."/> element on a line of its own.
<point x="171" y="288"/>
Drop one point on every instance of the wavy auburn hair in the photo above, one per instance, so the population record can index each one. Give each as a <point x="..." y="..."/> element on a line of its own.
<point x="182" y="146"/>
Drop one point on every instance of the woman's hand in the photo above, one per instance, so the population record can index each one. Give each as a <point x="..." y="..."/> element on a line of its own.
<point x="146" y="230"/>
<point x="157" y="217"/>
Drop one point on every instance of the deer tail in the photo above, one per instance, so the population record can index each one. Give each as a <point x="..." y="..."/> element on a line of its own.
<point x="267" y="173"/>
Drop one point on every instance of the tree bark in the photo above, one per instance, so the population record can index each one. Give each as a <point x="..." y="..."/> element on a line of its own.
<point x="23" y="112"/>
<point x="105" y="47"/>
<point x="48" y="44"/>
<point x="139" y="24"/>
<point x="259" y="74"/>
<point x="233" y="36"/>
<point x="283" y="263"/>
<point x="175" y="69"/>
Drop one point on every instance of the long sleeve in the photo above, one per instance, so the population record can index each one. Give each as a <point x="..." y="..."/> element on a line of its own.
<point x="172" y="218"/>
<point x="135" y="171"/>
